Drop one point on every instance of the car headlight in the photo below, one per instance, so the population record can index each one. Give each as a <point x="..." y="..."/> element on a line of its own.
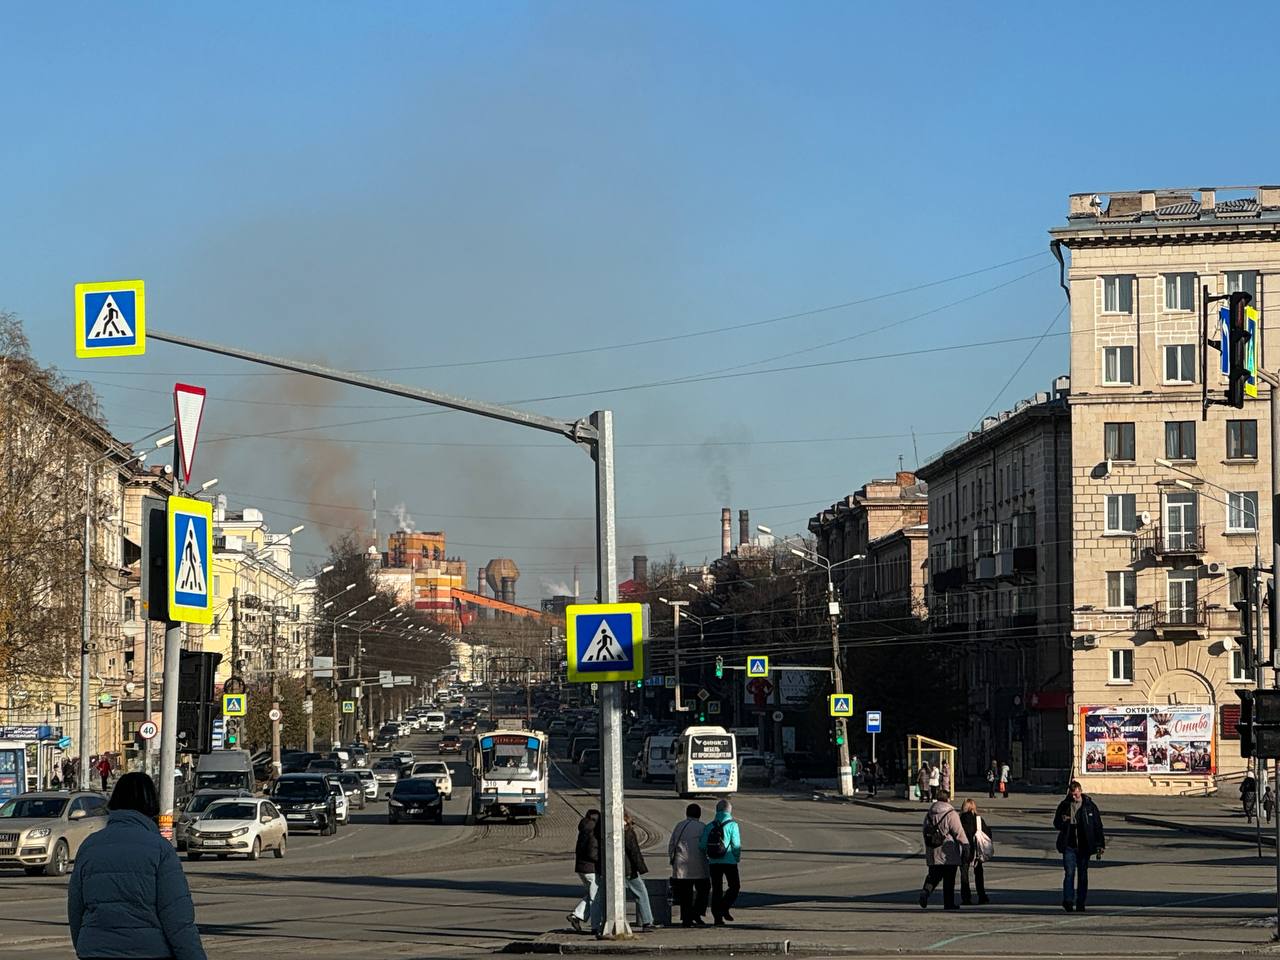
<point x="39" y="832"/>
<point x="240" y="833"/>
<point x="395" y="803"/>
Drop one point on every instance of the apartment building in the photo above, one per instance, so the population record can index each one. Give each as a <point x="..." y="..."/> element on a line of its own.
<point x="999" y="594"/>
<point x="1166" y="500"/>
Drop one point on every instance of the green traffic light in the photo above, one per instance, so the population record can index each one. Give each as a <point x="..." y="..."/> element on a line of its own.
<point x="639" y="684"/>
<point x="839" y="740"/>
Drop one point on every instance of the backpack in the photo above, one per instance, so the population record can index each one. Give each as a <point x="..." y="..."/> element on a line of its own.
<point x="934" y="835"/>
<point x="984" y="847"/>
<point x="716" y="847"/>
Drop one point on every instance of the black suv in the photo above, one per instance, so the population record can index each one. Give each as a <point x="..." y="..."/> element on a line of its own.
<point x="306" y="802"/>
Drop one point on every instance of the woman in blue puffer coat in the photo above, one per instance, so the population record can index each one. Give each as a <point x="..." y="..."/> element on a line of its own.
<point x="128" y="896"/>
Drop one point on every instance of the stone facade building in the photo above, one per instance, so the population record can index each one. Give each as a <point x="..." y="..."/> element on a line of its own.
<point x="1165" y="502"/>
<point x="1000" y="583"/>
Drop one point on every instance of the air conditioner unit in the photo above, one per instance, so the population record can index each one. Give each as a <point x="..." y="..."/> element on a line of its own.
<point x="1089" y="641"/>
<point x="1144" y="519"/>
<point x="1214" y="569"/>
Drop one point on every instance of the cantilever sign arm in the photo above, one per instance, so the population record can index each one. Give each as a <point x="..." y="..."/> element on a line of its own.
<point x="579" y="431"/>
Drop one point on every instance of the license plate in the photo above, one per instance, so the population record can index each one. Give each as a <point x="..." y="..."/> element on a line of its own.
<point x="415" y="809"/>
<point x="295" y="816"/>
<point x="214" y="843"/>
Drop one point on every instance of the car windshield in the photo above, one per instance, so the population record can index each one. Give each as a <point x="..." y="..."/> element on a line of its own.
<point x="232" y="811"/>
<point x="299" y="790"/>
<point x="349" y="780"/>
<point x="387" y="765"/>
<point x="364" y="774"/>
<point x="201" y="803"/>
<point x="33" y="808"/>
<point x="415" y="788"/>
<point x="430" y="768"/>
<point x="219" y="780"/>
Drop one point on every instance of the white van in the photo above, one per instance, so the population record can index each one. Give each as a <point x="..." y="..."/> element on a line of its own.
<point x="435" y="721"/>
<point x="659" y="762"/>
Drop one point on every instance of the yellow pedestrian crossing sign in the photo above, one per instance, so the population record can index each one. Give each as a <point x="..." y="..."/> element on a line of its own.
<point x="841" y="704"/>
<point x="757" y="666"/>
<point x="111" y="319"/>
<point x="235" y="704"/>
<point x="348" y="706"/>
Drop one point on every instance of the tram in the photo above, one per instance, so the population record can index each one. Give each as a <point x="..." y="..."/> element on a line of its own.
<point x="510" y="774"/>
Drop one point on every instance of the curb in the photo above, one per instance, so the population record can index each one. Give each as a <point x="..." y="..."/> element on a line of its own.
<point x="616" y="948"/>
<point x="1226" y="834"/>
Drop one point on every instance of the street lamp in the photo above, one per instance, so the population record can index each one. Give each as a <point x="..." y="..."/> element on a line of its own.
<point x="86" y="732"/>
<point x="676" y="606"/>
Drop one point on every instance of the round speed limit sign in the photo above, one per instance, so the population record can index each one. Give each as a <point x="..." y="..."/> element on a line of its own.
<point x="274" y="715"/>
<point x="148" y="729"/>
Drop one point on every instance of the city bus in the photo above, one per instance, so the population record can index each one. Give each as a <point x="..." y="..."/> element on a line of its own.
<point x="511" y="773"/>
<point x="706" y="760"/>
<point x="13" y="768"/>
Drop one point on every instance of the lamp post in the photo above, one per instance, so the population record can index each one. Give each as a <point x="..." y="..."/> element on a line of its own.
<point x="86" y="646"/>
<point x="337" y="716"/>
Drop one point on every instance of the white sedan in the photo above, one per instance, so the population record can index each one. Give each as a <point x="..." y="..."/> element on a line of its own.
<point x="246" y="826"/>
<point x="438" y="771"/>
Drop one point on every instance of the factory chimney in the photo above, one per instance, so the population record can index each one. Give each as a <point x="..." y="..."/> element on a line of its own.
<point x="640" y="569"/>
<point x="744" y="528"/>
<point x="726" y="531"/>
<point x="508" y="589"/>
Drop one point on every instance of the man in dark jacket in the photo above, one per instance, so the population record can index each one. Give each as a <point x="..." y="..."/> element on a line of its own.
<point x="586" y="863"/>
<point x="1080" y="836"/>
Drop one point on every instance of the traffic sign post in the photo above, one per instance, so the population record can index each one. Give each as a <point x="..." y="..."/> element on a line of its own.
<point x="111" y="319"/>
<point x="605" y="642"/>
<point x="757" y="666"/>
<point x="274" y="715"/>
<point x="190" y="557"/>
<point x="873" y="728"/>
<point x="148" y="729"/>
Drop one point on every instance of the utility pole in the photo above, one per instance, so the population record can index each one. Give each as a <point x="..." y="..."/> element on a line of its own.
<point x="147" y="754"/>
<point x="169" y="708"/>
<point x="308" y="681"/>
<point x="676" y="606"/>
<point x="235" y="656"/>
<point x="275" y="699"/>
<point x="86" y="732"/>
<point x="333" y="686"/>
<point x="837" y="677"/>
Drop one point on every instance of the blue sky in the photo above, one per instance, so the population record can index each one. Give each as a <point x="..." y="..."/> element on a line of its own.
<point x="426" y="188"/>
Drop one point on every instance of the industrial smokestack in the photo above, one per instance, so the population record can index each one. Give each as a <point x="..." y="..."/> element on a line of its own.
<point x="726" y="531"/>
<point x="744" y="528"/>
<point x="508" y="589"/>
<point x="640" y="569"/>
<point x="480" y="580"/>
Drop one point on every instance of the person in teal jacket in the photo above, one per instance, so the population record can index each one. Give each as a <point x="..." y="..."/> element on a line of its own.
<point x="128" y="896"/>
<point x="724" y="853"/>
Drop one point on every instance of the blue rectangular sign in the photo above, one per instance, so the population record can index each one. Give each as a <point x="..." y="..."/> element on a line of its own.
<point x="873" y="721"/>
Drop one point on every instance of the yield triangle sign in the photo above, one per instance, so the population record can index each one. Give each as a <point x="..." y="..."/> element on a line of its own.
<point x="188" y="408"/>
<point x="604" y="647"/>
<point x="191" y="577"/>
<point x="110" y="323"/>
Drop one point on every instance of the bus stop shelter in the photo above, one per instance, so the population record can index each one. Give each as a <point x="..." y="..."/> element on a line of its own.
<point x="921" y="750"/>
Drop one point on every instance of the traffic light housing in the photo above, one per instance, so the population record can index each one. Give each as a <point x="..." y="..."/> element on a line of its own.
<point x="1245" y="726"/>
<point x="1237" y="347"/>
<point x="1248" y="580"/>
<point x="719" y="668"/>
<point x="839" y="735"/>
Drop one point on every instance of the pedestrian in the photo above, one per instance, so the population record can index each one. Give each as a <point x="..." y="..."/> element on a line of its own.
<point x="586" y="863"/>
<point x="935" y="783"/>
<point x="1268" y="802"/>
<point x="1080" y="836"/>
<point x="922" y="781"/>
<point x="978" y="832"/>
<point x="128" y="896"/>
<point x="690" y="872"/>
<point x="873" y="771"/>
<point x="945" y="848"/>
<point x="1249" y="795"/>
<point x="993" y="777"/>
<point x="855" y="767"/>
<point x="104" y="771"/>
<point x="636" y="869"/>
<point x="55" y="783"/>
<point x="944" y="777"/>
<point x="1004" y="780"/>
<point x="721" y="841"/>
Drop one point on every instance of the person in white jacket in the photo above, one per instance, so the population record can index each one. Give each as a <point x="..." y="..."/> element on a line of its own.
<point x="690" y="873"/>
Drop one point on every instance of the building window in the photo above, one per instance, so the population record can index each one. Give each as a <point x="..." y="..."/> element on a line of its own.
<point x="1238" y="674"/>
<point x="1179" y="291"/>
<point x="1242" y="439"/>
<point x="130" y="608"/>
<point x="1122" y="513"/>
<point x="1118" y="441"/>
<point x="1245" y="281"/>
<point x="1180" y="440"/>
<point x="1182" y="597"/>
<point x="1180" y="363"/>
<point x="1117" y="294"/>
<point x="1242" y="511"/>
<point x="1121" y="666"/>
<point x="1122" y="590"/>
<point x="1117" y="365"/>
<point x="217" y="585"/>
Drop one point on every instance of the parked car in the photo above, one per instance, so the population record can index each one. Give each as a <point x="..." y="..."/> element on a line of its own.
<point x="244" y="825"/>
<point x="42" y="832"/>
<point x="416" y="798"/>
<point x="196" y="805"/>
<point x="306" y="802"/>
<point x="438" y="771"/>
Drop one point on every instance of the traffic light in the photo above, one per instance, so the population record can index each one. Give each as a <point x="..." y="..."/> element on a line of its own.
<point x="702" y="717"/>
<point x="1238" y="333"/>
<point x="839" y="734"/>
<point x="639" y="684"/>
<point x="719" y="668"/>
<point x="231" y="739"/>
<point x="1271" y="622"/>
<point x="1246" y="577"/>
<point x="1245" y="726"/>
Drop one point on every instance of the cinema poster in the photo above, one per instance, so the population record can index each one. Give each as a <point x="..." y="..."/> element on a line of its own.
<point x="1147" y="738"/>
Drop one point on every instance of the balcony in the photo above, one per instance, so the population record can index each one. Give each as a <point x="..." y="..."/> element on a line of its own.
<point x="1181" y="620"/>
<point x="984" y="568"/>
<point x="1160" y="542"/>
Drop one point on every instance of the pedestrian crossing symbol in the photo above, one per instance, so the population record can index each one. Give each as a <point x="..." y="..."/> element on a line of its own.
<point x="234" y="704"/>
<point x="841" y="705"/>
<point x="757" y="666"/>
<point x="110" y="319"/>
<point x="190" y="559"/>
<point x="605" y="641"/>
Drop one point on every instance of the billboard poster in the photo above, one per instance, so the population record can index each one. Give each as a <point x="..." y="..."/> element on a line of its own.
<point x="1147" y="738"/>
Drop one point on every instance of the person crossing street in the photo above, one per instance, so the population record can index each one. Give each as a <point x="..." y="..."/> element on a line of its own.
<point x="1080" y="836"/>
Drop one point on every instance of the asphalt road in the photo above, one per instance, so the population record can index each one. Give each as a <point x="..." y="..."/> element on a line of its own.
<point x="817" y="873"/>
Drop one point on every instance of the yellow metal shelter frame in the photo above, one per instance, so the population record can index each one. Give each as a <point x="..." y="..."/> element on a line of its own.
<point x="922" y="749"/>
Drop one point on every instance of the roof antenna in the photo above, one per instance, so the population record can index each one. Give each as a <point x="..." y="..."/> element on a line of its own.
<point x="915" y="448"/>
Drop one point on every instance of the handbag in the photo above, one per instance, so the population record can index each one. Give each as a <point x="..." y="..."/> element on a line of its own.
<point x="984" y="847"/>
